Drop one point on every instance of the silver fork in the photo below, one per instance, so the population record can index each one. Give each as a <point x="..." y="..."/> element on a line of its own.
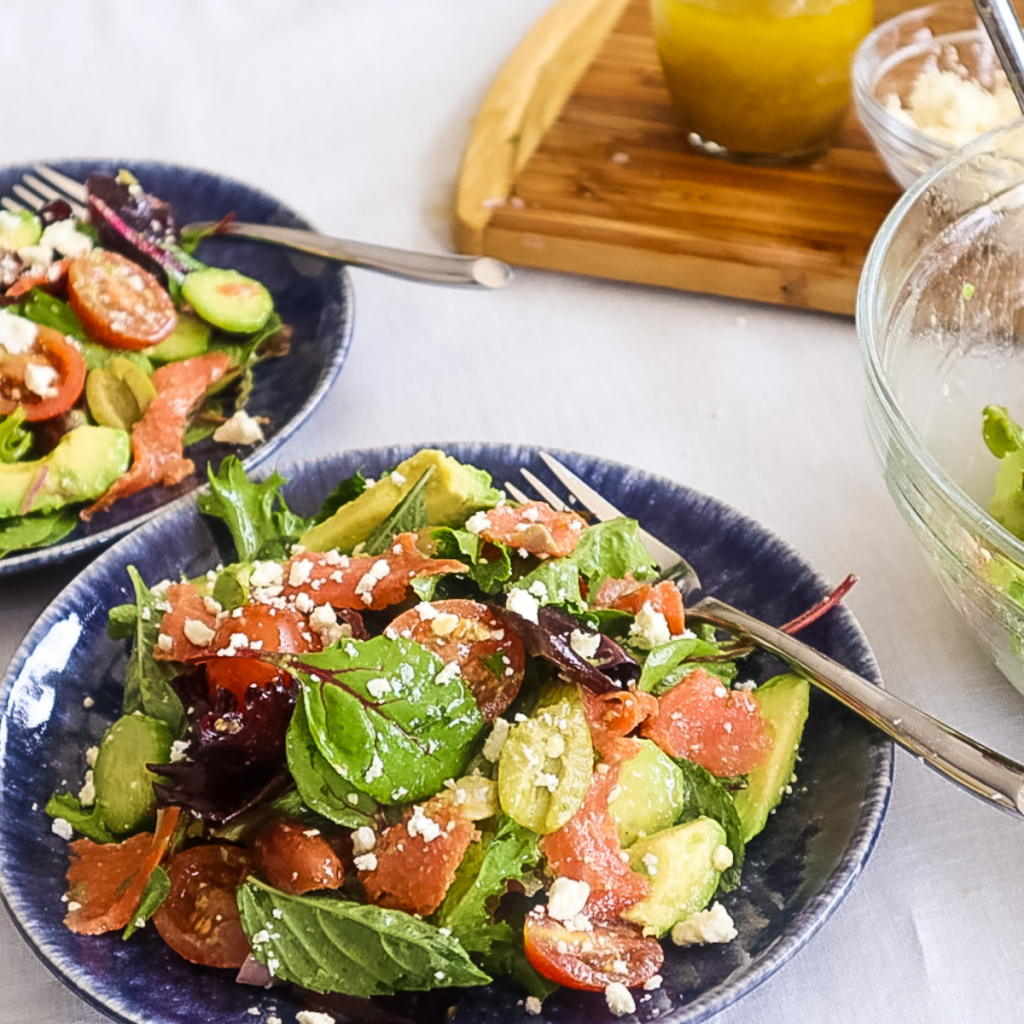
<point x="985" y="773"/>
<point x="434" y="268"/>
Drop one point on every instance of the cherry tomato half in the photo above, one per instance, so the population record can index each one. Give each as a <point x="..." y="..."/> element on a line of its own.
<point x="52" y="353"/>
<point x="118" y="302"/>
<point x="295" y="858"/>
<point x="591" y="960"/>
<point x="199" y="920"/>
<point x="272" y="630"/>
<point x="489" y="655"/>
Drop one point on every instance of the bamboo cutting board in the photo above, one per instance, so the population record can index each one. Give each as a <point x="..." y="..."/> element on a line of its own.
<point x="577" y="163"/>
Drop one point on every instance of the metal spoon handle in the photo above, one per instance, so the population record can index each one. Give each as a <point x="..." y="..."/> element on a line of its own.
<point x="981" y="771"/>
<point x="1003" y="28"/>
<point x="434" y="268"/>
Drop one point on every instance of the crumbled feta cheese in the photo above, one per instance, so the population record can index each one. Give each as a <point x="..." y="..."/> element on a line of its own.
<point x="376" y="769"/>
<point x="64" y="236"/>
<point x="266" y="574"/>
<point x="241" y="428"/>
<point x="649" y="628"/>
<point x="545" y="780"/>
<point x="496" y="740"/>
<point x="585" y="644"/>
<point x="62" y="827"/>
<point x="448" y="673"/>
<point x="41" y="380"/>
<point x="198" y="632"/>
<point x="312" y="1017"/>
<point x="364" y="839"/>
<point x="711" y="925"/>
<point x="533" y="1005"/>
<point x="425" y="610"/>
<point x="478" y="522"/>
<point x="87" y="794"/>
<point x="178" y="748"/>
<point x="366" y="862"/>
<point x="397" y="479"/>
<point x="650" y="861"/>
<point x="618" y="998"/>
<point x="420" y="825"/>
<point x="377" y="688"/>
<point x="522" y="603"/>
<point x="567" y="898"/>
<point x="721" y="858"/>
<point x="653" y="983"/>
<point x="17" y="334"/>
<point x="299" y="572"/>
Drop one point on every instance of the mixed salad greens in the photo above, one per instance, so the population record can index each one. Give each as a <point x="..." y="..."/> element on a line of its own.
<point x="425" y="739"/>
<point x="118" y="349"/>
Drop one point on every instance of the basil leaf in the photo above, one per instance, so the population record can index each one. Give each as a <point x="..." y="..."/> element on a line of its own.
<point x="147" y="684"/>
<point x="408" y="516"/>
<point x="329" y="945"/>
<point x="321" y="787"/>
<point x="261" y="524"/>
<point x="384" y="717"/>
<point x="158" y="885"/>
<point x="122" y="620"/>
<point x="706" y="796"/>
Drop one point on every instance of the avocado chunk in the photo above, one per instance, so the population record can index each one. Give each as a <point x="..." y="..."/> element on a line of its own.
<point x="227" y="299"/>
<point x="683" y="865"/>
<point x="190" y="337"/>
<point x="124" y="785"/>
<point x="452" y="494"/>
<point x="118" y="393"/>
<point x="86" y="461"/>
<point x="784" y="702"/>
<point x="651" y="790"/>
<point x="18" y="229"/>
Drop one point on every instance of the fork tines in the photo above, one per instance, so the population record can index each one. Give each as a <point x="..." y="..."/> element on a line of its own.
<point x="35" y="193"/>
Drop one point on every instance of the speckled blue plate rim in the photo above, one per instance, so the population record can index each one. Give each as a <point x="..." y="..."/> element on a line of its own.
<point x="877" y="767"/>
<point x="65" y="550"/>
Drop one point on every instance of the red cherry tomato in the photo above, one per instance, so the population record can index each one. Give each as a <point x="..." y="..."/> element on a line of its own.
<point x="591" y="960"/>
<point x="52" y="351"/>
<point x="489" y="655"/>
<point x="199" y="920"/>
<point x="295" y="858"/>
<point x="272" y="630"/>
<point x="118" y="302"/>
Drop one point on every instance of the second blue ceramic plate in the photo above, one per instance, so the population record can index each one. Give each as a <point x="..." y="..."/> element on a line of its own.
<point x="312" y="297"/>
<point x="796" y="871"/>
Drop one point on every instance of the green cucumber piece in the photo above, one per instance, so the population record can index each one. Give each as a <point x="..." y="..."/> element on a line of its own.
<point x="651" y="790"/>
<point x="784" y="701"/>
<point x="190" y="337"/>
<point x="227" y="299"/>
<point x="18" y="229"/>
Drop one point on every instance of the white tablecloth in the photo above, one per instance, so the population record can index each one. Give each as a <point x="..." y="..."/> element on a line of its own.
<point x="356" y="113"/>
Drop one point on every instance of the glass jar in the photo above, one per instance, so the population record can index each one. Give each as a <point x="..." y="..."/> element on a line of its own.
<point x="760" y="81"/>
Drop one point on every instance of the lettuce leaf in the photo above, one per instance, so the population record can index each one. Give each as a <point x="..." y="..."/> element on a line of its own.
<point x="669" y="663"/>
<point x="467" y="548"/>
<point x="37" y="530"/>
<point x="330" y="945"/>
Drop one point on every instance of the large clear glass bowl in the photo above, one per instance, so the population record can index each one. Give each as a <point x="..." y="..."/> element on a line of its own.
<point x="940" y="316"/>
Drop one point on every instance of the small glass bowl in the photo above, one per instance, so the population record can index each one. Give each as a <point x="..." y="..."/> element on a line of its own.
<point x="940" y="316"/>
<point x="889" y="60"/>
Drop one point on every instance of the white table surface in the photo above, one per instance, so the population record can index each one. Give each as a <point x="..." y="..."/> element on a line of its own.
<point x="356" y="113"/>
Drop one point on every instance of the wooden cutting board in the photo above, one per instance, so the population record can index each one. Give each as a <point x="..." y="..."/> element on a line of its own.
<point x="577" y="163"/>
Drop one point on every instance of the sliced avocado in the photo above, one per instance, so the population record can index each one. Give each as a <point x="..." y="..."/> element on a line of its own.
<point x="18" y="229"/>
<point x="86" y="461"/>
<point x="227" y="299"/>
<point x="679" y="863"/>
<point x="124" y="785"/>
<point x="118" y="393"/>
<point x="453" y="493"/>
<point x="190" y="337"/>
<point x="784" y="701"/>
<point x="651" y="792"/>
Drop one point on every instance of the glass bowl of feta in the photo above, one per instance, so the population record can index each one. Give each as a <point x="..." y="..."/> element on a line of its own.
<point x="926" y="82"/>
<point x="940" y="315"/>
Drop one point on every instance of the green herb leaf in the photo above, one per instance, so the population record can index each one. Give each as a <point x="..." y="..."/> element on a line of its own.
<point x="706" y="796"/>
<point x="408" y="516"/>
<point x="383" y="716"/>
<point x="36" y="530"/>
<point x="42" y="308"/>
<point x="321" y="787"/>
<point x="1001" y="433"/>
<point x="157" y="887"/>
<point x="328" y="945"/>
<point x="466" y="547"/>
<point x="15" y="437"/>
<point x="86" y="820"/>
<point x="261" y="524"/>
<point x="668" y="664"/>
<point x="348" y="490"/>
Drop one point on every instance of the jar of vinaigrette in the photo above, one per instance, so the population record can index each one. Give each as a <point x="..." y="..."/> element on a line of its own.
<point x="760" y="81"/>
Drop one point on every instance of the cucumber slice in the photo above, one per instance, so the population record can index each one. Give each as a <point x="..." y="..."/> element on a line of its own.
<point x="680" y="863"/>
<point x="18" y="229"/>
<point x="227" y="299"/>
<point x="190" y="337"/>
<point x="784" y="702"/>
<point x="651" y="791"/>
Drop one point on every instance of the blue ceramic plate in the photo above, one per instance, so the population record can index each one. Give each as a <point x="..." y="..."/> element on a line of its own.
<point x="796" y="872"/>
<point x="313" y="297"/>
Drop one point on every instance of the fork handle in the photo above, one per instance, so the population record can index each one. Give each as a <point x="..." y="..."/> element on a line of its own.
<point x="981" y="771"/>
<point x="434" y="268"/>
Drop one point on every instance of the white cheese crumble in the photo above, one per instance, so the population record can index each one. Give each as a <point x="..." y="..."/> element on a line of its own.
<point x="241" y="428"/>
<point x="522" y="603"/>
<point x="619" y="1000"/>
<point x="41" y="380"/>
<point x="448" y="673"/>
<point x="198" y="632"/>
<point x="363" y="840"/>
<point x="496" y="740"/>
<point x="649" y="628"/>
<point x="366" y="862"/>
<point x="533" y="1005"/>
<point x="312" y="1017"/>
<point x="62" y="827"/>
<point x="178" y="748"/>
<point x="377" y="688"/>
<point x="266" y="574"/>
<point x="711" y="925"/>
<point x="420" y="825"/>
<point x="567" y="898"/>
<point x="721" y="858"/>
<point x="87" y="794"/>
<point x="425" y="610"/>
<point x="300" y="571"/>
<point x="585" y="644"/>
<point x="478" y="522"/>
<point x="17" y="334"/>
<point x="64" y="236"/>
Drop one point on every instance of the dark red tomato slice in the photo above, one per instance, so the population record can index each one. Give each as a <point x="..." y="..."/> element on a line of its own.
<point x="52" y="354"/>
<point x="490" y="656"/>
<point x="295" y="858"/>
<point x="118" y="302"/>
<point x="416" y="858"/>
<point x="199" y="920"/>
<point x="703" y="721"/>
<point x="591" y="960"/>
<point x="269" y="629"/>
<point x="534" y="527"/>
<point x="587" y="849"/>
